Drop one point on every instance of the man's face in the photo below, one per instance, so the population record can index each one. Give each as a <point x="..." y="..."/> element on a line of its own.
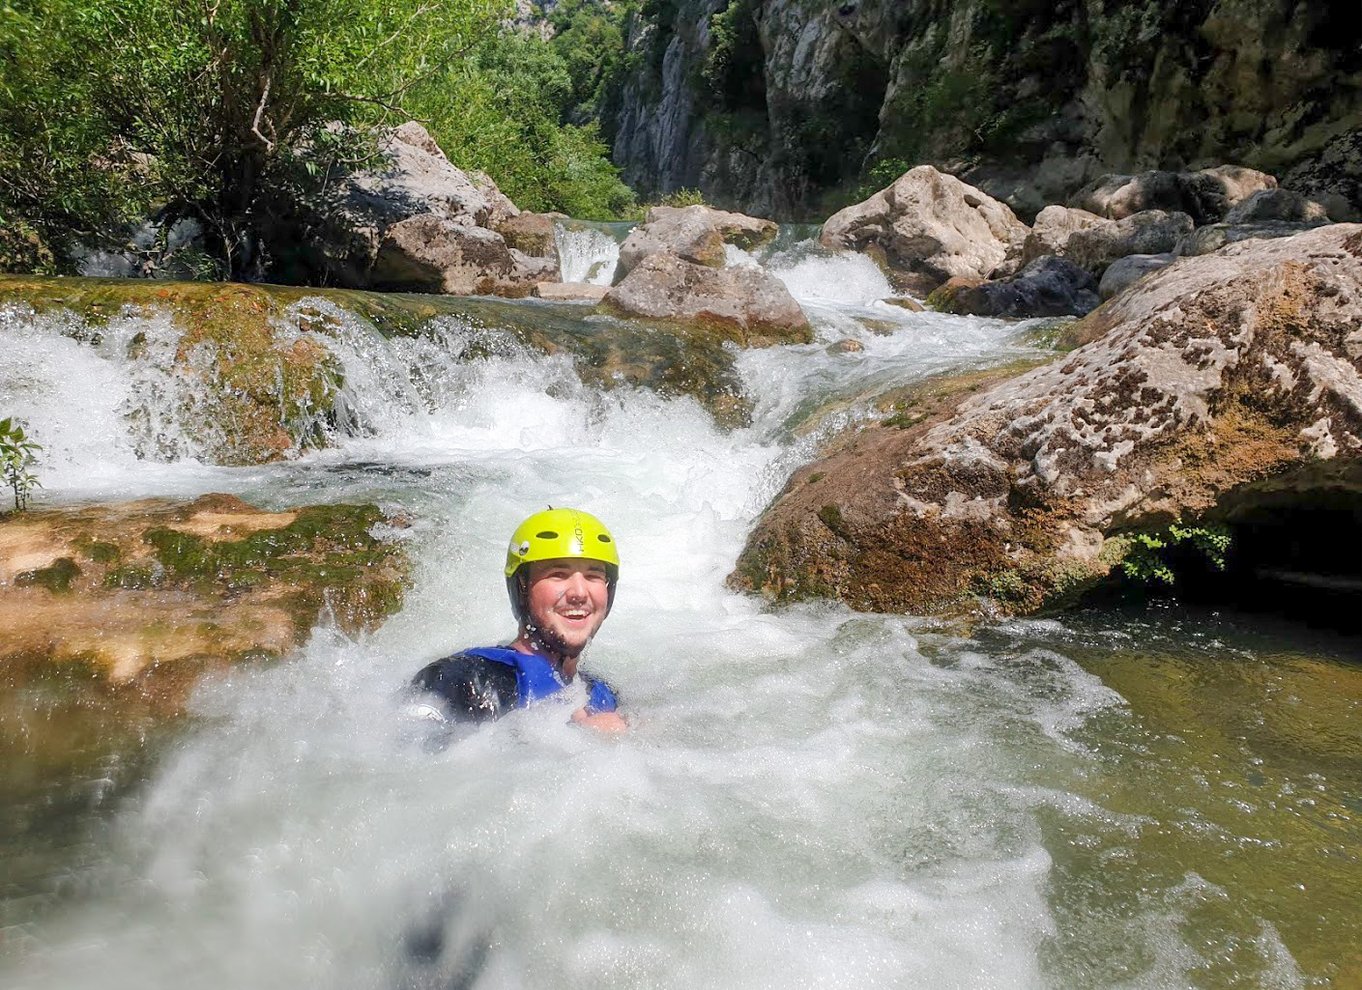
<point x="567" y="600"/>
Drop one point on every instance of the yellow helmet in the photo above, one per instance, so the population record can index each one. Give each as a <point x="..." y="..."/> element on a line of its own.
<point x="553" y="534"/>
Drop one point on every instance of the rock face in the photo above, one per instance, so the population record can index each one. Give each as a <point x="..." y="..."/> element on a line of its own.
<point x="1048" y="286"/>
<point x="742" y="304"/>
<point x="1205" y="387"/>
<point x="414" y="223"/>
<point x="1125" y="272"/>
<point x="764" y="105"/>
<point x="167" y="588"/>
<point x="693" y="233"/>
<point x="930" y="224"/>
<point x="1214" y="236"/>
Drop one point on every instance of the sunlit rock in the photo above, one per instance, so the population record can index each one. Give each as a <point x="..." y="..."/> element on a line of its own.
<point x="140" y="589"/>
<point x="930" y="225"/>
<point x="1052" y="229"/>
<point x="1214" y="236"/>
<point x="571" y="291"/>
<point x="693" y="233"/>
<point x="746" y="305"/>
<point x="1208" y="388"/>
<point x="1148" y="232"/>
<point x="1206" y="196"/>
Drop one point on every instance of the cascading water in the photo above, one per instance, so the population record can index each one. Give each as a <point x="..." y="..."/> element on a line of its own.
<point x="587" y="252"/>
<point x="809" y="797"/>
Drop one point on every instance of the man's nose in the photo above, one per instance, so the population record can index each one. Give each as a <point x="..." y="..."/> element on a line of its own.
<point x="577" y="587"/>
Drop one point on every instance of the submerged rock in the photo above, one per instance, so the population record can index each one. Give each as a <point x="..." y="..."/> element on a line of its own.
<point x="930" y="224"/>
<point x="1217" y="381"/>
<point x="746" y="305"/>
<point x="146" y="588"/>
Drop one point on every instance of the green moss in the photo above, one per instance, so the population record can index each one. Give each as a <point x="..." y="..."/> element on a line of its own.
<point x="134" y="577"/>
<point x="831" y="517"/>
<point x="56" y="577"/>
<point x="816" y="477"/>
<point x="97" y="551"/>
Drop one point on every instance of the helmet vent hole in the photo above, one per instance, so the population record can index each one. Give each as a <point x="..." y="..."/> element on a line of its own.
<point x="602" y="537"/>
<point x="548" y="534"/>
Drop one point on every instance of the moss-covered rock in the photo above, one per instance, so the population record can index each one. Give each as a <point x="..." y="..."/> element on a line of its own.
<point x="141" y="587"/>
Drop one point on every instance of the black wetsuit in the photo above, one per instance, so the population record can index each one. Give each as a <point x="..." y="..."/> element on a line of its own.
<point x="472" y="688"/>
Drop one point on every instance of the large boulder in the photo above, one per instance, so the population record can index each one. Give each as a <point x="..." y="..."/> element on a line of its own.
<point x="741" y="303"/>
<point x="1053" y="227"/>
<point x="412" y="222"/>
<point x="1211" y="387"/>
<point x="152" y="587"/>
<point x="693" y="233"/>
<point x="1206" y="196"/>
<point x="1048" y="286"/>
<point x="931" y="225"/>
<point x="1149" y="232"/>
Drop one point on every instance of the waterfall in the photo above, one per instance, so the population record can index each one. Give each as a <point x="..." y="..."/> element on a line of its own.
<point x="588" y="252"/>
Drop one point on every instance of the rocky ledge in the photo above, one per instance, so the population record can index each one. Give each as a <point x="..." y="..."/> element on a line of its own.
<point x="1207" y="388"/>
<point x="163" y="589"/>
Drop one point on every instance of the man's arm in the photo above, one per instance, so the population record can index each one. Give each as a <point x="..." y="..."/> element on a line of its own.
<point x="468" y="688"/>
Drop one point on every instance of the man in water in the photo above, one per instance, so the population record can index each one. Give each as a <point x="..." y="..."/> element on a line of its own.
<point x="561" y="570"/>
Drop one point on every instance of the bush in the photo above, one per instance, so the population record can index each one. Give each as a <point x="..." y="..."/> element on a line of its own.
<point x="17" y="456"/>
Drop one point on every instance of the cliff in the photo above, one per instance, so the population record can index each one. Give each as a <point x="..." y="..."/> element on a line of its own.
<point x="778" y="107"/>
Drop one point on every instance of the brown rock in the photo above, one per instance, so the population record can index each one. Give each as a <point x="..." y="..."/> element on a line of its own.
<point x="931" y="224"/>
<point x="693" y="233"/>
<point x="1212" y="386"/>
<point x="426" y="253"/>
<point x="1053" y="227"/>
<point x="746" y="305"/>
<point x="137" y="587"/>
<point x="1205" y="196"/>
<point x="571" y="291"/>
<point x="531" y="233"/>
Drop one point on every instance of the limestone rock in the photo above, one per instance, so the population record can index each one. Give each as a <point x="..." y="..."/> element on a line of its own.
<point x="149" y="588"/>
<point x="414" y="222"/>
<point x="571" y="291"/>
<point x="1149" y="232"/>
<point x="1208" y="387"/>
<point x="531" y="233"/>
<point x="1053" y="227"/>
<point x="743" y="304"/>
<point x="693" y="233"/>
<point x="1124" y="272"/>
<point x="1214" y="236"/>
<point x="1205" y="196"/>
<point x="932" y="224"/>
<point x="1048" y="286"/>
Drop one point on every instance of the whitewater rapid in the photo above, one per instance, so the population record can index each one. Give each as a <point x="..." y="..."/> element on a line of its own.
<point x="809" y="797"/>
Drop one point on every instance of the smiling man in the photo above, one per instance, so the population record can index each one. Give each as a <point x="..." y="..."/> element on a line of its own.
<point x="561" y="570"/>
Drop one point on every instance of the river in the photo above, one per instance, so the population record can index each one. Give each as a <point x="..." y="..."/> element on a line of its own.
<point x="1144" y="797"/>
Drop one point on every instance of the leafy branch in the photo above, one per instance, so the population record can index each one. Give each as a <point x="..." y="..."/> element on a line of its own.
<point x="17" y="456"/>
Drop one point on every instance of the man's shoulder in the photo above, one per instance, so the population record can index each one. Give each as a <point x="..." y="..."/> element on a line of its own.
<point x="471" y="686"/>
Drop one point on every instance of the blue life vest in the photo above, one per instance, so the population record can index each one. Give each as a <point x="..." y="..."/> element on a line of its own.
<point x="535" y="678"/>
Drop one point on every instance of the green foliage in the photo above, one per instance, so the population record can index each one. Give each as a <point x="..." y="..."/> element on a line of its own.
<point x="732" y="71"/>
<point x="1147" y="559"/>
<point x="501" y="112"/>
<point x="17" y="456"/>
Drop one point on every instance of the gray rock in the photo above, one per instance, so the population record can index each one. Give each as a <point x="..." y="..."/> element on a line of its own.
<point x="1052" y="229"/>
<point x="742" y="304"/>
<point x="1048" y="286"/>
<point x="694" y="233"/>
<point x="1213" y="237"/>
<point x="1205" y="196"/>
<point x="1277" y="204"/>
<point x="1124" y="272"/>
<point x="528" y="232"/>
<point x="932" y="224"/>
<point x="1149" y="232"/>
<point x="1224" y="379"/>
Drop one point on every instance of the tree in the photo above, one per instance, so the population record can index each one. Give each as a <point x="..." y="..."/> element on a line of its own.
<point x="201" y="106"/>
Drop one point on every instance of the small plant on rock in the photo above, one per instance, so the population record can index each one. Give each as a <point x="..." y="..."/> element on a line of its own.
<point x="17" y="456"/>
<point x="1147" y="560"/>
